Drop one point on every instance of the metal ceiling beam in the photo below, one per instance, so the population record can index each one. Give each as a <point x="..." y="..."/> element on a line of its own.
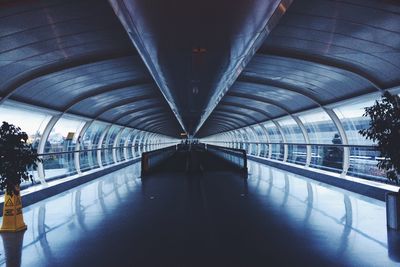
<point x="322" y="60"/>
<point x="278" y="85"/>
<point x="122" y="102"/>
<point x="261" y="111"/>
<point x="258" y="98"/>
<point x="71" y="62"/>
<point x="152" y="113"/>
<point x="234" y="116"/>
<point x="235" y="111"/>
<point x="107" y="89"/>
<point x="132" y="111"/>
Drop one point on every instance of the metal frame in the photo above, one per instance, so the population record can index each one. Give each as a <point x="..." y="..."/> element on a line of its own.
<point x="100" y="144"/>
<point x="77" y="159"/>
<point x="306" y="139"/>
<point x="42" y="143"/>
<point x="343" y="136"/>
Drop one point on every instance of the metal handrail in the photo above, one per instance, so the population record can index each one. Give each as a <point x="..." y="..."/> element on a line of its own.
<point x="296" y="144"/>
<point x="94" y="149"/>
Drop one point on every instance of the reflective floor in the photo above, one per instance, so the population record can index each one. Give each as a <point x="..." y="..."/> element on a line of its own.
<point x="216" y="219"/>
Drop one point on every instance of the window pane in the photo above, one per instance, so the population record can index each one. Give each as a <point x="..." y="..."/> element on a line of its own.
<point x="322" y="130"/>
<point x="62" y="138"/>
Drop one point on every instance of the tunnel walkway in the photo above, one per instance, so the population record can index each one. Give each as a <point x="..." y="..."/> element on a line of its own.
<point x="194" y="161"/>
<point x="216" y="218"/>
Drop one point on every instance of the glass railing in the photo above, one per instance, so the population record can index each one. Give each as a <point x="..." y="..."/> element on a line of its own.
<point x="362" y="160"/>
<point x="236" y="157"/>
<point x="62" y="164"/>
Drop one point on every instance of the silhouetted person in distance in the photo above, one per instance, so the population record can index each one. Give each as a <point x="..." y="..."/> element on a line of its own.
<point x="336" y="139"/>
<point x="333" y="155"/>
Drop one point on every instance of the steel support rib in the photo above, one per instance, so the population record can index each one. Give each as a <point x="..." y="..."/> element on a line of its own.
<point x="42" y="145"/>
<point x="345" y="141"/>
<point x="78" y="145"/>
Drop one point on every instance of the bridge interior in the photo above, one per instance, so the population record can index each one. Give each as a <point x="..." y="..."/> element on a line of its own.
<point x="97" y="83"/>
<point x="213" y="219"/>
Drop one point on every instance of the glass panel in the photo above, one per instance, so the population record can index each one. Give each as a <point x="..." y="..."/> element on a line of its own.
<point x="137" y="143"/>
<point x="62" y="138"/>
<point x="30" y="120"/>
<point x="120" y="151"/>
<point x="363" y="163"/>
<point x="253" y="147"/>
<point x="245" y="139"/>
<point x="352" y="120"/>
<point x="130" y="143"/>
<point x="263" y="138"/>
<point x="88" y="159"/>
<point x="275" y="137"/>
<point x="322" y="130"/>
<point x="108" y="142"/>
<point x="293" y="134"/>
<point x="363" y="160"/>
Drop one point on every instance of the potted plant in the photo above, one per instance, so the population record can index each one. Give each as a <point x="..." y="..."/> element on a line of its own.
<point x="16" y="156"/>
<point x="384" y="129"/>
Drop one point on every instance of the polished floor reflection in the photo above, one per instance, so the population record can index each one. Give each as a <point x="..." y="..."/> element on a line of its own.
<point x="217" y="219"/>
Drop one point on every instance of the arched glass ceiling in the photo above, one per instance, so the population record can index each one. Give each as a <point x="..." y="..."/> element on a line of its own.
<point x="321" y="52"/>
<point x="75" y="57"/>
<point x="359" y="36"/>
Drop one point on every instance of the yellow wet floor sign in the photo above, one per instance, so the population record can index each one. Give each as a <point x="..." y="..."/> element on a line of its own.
<point x="13" y="220"/>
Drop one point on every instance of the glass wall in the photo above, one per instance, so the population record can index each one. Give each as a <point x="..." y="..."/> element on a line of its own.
<point x="263" y="139"/>
<point x="89" y="143"/>
<point x="70" y="144"/>
<point x="123" y="138"/>
<point x="363" y="157"/>
<point x="108" y="144"/>
<point x="296" y="153"/>
<point x="31" y="121"/>
<point x="322" y="132"/>
<point x="62" y="139"/>
<point x="327" y="138"/>
<point x="275" y="138"/>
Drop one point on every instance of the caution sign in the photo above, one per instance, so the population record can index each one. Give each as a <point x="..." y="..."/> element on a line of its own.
<point x="13" y="220"/>
<point x="9" y="203"/>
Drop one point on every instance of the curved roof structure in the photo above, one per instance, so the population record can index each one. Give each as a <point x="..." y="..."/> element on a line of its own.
<point x="75" y="57"/>
<point x="320" y="52"/>
<point x="204" y="71"/>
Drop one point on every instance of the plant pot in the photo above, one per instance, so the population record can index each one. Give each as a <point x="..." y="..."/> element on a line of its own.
<point x="13" y="220"/>
<point x="393" y="210"/>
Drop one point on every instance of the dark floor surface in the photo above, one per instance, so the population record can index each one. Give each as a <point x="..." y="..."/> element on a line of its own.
<point x="212" y="219"/>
